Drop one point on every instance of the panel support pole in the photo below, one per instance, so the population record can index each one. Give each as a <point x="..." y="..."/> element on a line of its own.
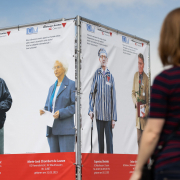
<point x="78" y="25"/>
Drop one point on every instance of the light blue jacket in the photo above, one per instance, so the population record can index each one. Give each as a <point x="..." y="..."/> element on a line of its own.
<point x="65" y="103"/>
<point x="103" y="95"/>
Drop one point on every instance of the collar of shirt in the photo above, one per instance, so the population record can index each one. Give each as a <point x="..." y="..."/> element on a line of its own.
<point x="107" y="72"/>
<point x="103" y="70"/>
<point x="141" y="75"/>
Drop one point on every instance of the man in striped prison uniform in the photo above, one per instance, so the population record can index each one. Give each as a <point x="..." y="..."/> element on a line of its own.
<point x="103" y="96"/>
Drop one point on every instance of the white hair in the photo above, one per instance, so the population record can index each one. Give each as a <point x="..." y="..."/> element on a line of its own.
<point x="64" y="64"/>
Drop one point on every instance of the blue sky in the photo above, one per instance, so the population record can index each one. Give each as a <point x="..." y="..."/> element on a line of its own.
<point x="142" y="18"/>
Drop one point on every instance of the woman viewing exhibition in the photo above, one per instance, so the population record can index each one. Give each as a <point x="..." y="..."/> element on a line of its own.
<point x="164" y="117"/>
<point x="61" y="102"/>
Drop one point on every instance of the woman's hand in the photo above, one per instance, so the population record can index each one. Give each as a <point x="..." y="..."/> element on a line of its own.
<point x="136" y="175"/>
<point x="41" y="112"/>
<point x="56" y="115"/>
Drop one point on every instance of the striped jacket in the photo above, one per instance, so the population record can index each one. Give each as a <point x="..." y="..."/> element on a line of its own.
<point x="103" y="95"/>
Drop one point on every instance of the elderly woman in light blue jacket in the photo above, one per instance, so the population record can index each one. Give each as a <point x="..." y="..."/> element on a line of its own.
<point x="61" y="102"/>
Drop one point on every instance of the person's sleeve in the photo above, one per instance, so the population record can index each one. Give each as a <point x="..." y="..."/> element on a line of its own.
<point x="114" y="111"/>
<point x="47" y="101"/>
<point x="69" y="110"/>
<point x="5" y="99"/>
<point x="147" y="98"/>
<point x="92" y="95"/>
<point x="133" y="92"/>
<point x="159" y="96"/>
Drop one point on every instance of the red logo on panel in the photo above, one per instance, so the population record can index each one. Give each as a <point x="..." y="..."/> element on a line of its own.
<point x="110" y="33"/>
<point x="8" y="33"/>
<point x="50" y="28"/>
<point x="142" y="44"/>
<point x="64" y="24"/>
<point x="102" y="33"/>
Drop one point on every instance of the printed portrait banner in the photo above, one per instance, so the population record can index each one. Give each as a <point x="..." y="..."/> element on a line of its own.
<point x="114" y="93"/>
<point x="120" y="78"/>
<point x="38" y="166"/>
<point x="27" y="58"/>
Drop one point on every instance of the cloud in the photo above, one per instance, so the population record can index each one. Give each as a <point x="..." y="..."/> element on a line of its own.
<point x="97" y="3"/>
<point x="92" y="4"/>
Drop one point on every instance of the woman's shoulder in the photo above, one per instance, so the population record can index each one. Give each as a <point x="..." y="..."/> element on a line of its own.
<point x="52" y="86"/>
<point x="70" y="80"/>
<point x="167" y="75"/>
<point x="169" y="72"/>
<point x="71" y="83"/>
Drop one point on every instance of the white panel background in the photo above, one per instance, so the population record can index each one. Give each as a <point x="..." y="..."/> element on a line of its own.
<point x="123" y="68"/>
<point x="28" y="74"/>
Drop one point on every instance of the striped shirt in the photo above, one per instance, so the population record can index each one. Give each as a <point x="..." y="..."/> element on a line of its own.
<point x="103" y="95"/>
<point x="165" y="103"/>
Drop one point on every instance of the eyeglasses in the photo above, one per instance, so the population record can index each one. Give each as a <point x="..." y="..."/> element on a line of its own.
<point x="57" y="67"/>
<point x="103" y="57"/>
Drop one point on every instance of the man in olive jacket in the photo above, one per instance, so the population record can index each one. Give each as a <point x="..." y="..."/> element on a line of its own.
<point x="5" y="104"/>
<point x="140" y="80"/>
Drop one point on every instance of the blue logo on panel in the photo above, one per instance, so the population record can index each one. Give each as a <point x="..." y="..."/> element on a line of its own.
<point x="32" y="30"/>
<point x="90" y="28"/>
<point x="125" y="39"/>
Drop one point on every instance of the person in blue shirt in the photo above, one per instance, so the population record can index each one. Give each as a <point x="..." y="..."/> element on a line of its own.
<point x="103" y="97"/>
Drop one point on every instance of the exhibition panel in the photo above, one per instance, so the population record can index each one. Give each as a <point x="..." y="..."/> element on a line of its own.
<point x="38" y="66"/>
<point x="115" y="78"/>
<point x="80" y="100"/>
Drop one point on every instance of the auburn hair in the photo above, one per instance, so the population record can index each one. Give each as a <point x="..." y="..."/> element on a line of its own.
<point x="169" y="44"/>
